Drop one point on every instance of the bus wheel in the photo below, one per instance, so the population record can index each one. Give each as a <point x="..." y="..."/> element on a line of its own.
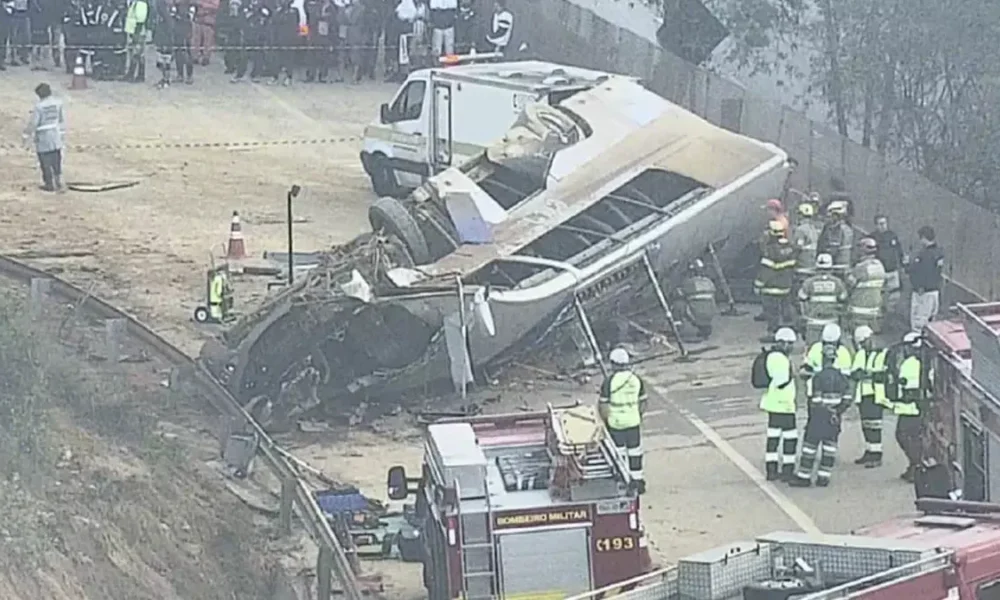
<point x="383" y="177"/>
<point x="389" y="215"/>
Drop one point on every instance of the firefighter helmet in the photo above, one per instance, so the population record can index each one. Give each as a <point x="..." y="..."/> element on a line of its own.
<point x="806" y="209"/>
<point x="838" y="207"/>
<point x="868" y="245"/>
<point x="831" y="333"/>
<point x="862" y="333"/>
<point x="912" y="339"/>
<point x="696" y="266"/>
<point x="775" y="228"/>
<point x="619" y="357"/>
<point x="775" y="205"/>
<point x="824" y="261"/>
<point x="785" y="334"/>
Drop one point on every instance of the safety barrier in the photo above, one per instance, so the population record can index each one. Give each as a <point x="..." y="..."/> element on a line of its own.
<point x="332" y="560"/>
<point x="658" y="585"/>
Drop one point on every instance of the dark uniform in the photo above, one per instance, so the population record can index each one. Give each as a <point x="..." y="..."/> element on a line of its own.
<point x="183" y="32"/>
<point x="830" y="396"/>
<point x="774" y="282"/>
<point x="254" y="27"/>
<point x="163" y="38"/>
<point x="697" y="293"/>
<point x="110" y="44"/>
<point x="321" y="16"/>
<point x="284" y="38"/>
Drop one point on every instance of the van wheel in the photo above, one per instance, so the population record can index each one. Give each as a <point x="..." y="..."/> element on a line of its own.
<point x="383" y="177"/>
<point x="389" y="215"/>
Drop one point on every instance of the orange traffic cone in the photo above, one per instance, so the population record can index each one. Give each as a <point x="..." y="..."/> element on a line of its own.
<point x="79" y="81"/>
<point x="235" y="248"/>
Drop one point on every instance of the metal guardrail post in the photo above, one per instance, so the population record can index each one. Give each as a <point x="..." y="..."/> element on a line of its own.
<point x="40" y="288"/>
<point x="324" y="581"/>
<point x="285" y="510"/>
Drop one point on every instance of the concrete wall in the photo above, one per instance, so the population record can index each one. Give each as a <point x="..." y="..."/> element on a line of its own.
<point x="561" y="31"/>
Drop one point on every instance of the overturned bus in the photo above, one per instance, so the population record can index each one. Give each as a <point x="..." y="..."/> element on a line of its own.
<point x="581" y="207"/>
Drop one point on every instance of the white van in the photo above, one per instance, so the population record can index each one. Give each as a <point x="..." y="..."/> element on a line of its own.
<point x="443" y="116"/>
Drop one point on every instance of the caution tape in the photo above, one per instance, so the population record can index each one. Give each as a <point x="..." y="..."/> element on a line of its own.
<point x="190" y="145"/>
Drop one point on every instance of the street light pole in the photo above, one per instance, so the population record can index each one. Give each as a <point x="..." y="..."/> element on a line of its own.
<point x="293" y="192"/>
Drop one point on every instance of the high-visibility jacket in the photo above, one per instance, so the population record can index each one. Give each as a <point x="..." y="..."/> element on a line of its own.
<point x="822" y="297"/>
<point x="911" y="370"/>
<point x="814" y="359"/>
<point x="866" y="281"/>
<point x="805" y="238"/>
<point x="871" y="363"/>
<point x="698" y="292"/>
<point x="624" y="391"/>
<point x="216" y="289"/>
<point x="777" y="267"/>
<point x="779" y="397"/>
<point x="135" y="18"/>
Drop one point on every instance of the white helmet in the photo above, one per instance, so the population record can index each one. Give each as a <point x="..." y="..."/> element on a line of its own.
<point x="862" y="333"/>
<point x="831" y="333"/>
<point x="824" y="261"/>
<point x="785" y="334"/>
<point x="619" y="356"/>
<point x="912" y="338"/>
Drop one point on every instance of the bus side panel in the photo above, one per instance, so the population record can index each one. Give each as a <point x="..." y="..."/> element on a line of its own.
<point x="614" y="547"/>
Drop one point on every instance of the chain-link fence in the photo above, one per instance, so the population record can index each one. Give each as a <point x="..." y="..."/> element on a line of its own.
<point x="569" y="34"/>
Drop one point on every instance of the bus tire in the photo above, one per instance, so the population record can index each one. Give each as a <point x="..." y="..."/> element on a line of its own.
<point x="389" y="215"/>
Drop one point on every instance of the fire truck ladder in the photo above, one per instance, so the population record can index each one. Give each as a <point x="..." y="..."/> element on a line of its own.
<point x="478" y="554"/>
<point x="583" y="446"/>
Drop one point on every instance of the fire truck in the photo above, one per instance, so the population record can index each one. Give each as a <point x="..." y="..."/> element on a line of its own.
<point x="962" y="426"/>
<point x="524" y="506"/>
<point x="950" y="550"/>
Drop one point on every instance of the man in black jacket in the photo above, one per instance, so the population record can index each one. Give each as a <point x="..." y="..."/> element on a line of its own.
<point x="890" y="254"/>
<point x="925" y="279"/>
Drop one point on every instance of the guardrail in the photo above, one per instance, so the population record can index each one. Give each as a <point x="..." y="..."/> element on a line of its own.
<point x="658" y="585"/>
<point x="332" y="560"/>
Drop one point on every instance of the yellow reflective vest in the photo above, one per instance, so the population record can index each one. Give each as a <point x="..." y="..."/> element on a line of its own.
<point x="624" y="390"/>
<point x="814" y="358"/>
<point x="216" y="289"/>
<point x="779" y="397"/>
<point x="872" y="363"/>
<point x="909" y="393"/>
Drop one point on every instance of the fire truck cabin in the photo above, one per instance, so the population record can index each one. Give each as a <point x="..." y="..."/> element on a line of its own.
<point x="962" y="425"/>
<point x="525" y="506"/>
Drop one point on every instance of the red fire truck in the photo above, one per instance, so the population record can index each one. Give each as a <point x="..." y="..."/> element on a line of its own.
<point x="951" y="551"/>
<point x="962" y="424"/>
<point x="524" y="506"/>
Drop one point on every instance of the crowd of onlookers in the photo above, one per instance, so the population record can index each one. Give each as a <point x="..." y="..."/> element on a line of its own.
<point x="281" y="40"/>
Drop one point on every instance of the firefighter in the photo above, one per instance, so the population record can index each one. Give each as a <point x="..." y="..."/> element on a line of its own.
<point x="697" y="297"/>
<point x="821" y="298"/>
<point x="837" y="237"/>
<point x="135" y="29"/>
<point x="217" y="296"/>
<point x="776" y="212"/>
<point x="910" y="379"/>
<point x="813" y="363"/>
<point x="622" y="403"/>
<point x="868" y="372"/>
<point x="110" y="43"/>
<point x="830" y="395"/>
<point x="805" y="236"/>
<point x="865" y="282"/>
<point x="774" y="278"/>
<point x="778" y="401"/>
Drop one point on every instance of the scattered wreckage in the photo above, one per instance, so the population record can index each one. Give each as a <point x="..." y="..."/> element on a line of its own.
<point x="578" y="210"/>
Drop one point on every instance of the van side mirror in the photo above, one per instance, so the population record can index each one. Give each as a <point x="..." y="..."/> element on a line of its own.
<point x="396" y="482"/>
<point x="384" y="114"/>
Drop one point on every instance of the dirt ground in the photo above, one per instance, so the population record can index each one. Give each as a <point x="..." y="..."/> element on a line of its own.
<point x="150" y="245"/>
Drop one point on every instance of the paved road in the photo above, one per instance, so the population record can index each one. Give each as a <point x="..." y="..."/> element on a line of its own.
<point x="717" y="487"/>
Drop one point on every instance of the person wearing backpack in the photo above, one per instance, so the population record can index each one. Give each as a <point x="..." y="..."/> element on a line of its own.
<point x="772" y="372"/>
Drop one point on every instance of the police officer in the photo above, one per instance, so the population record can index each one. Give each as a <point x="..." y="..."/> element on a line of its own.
<point x="775" y="278"/>
<point x="184" y="15"/>
<point x="911" y="379"/>
<point x="925" y="279"/>
<point x="805" y="237"/>
<point x="47" y="128"/>
<point x="868" y="372"/>
<point x="163" y="38"/>
<point x="865" y="282"/>
<point x="837" y="237"/>
<point x="829" y="339"/>
<point x="890" y="254"/>
<point x="821" y="299"/>
<point x="830" y="395"/>
<point x="135" y="28"/>
<point x="697" y="294"/>
<point x="622" y="403"/>
<point x="778" y="401"/>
